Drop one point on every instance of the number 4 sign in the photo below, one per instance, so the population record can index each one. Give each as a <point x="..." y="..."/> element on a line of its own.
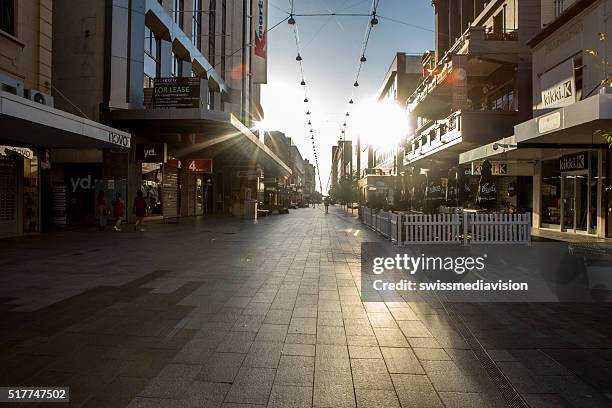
<point x="199" y="165"/>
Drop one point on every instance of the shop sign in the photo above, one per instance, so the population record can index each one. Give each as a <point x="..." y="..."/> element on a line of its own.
<point x="183" y="92"/>
<point x="176" y="163"/>
<point x="558" y="85"/>
<point x="571" y="162"/>
<point x="22" y="151"/>
<point x="497" y="169"/>
<point x="549" y="122"/>
<point x="119" y="139"/>
<point x="199" y="165"/>
<point x="259" y="10"/>
<point x="151" y="153"/>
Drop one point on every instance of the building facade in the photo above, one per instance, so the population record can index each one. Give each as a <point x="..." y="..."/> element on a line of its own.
<point x="568" y="158"/>
<point x="476" y="86"/>
<point x="177" y="75"/>
<point x="37" y="192"/>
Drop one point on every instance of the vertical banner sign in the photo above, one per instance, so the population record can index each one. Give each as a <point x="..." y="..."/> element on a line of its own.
<point x="259" y="24"/>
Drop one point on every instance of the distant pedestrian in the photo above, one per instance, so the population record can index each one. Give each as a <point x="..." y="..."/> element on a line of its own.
<point x="118" y="210"/>
<point x="140" y="210"/>
<point x="326" y="203"/>
<point x="103" y="211"/>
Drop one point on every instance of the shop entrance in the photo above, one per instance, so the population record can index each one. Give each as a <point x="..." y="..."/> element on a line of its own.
<point x="576" y="212"/>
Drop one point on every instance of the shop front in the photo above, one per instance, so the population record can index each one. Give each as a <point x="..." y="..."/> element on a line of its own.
<point x="571" y="167"/>
<point x="35" y="194"/>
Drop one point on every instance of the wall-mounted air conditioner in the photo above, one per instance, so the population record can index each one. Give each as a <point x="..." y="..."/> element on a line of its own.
<point x="39" y="97"/>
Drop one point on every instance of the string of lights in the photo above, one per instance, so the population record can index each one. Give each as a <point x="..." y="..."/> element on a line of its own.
<point x="300" y="60"/>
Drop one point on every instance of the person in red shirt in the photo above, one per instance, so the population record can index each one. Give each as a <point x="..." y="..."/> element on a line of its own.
<point x="118" y="209"/>
<point x="140" y="210"/>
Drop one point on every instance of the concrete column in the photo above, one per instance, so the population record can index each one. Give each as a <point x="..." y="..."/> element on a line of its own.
<point x="217" y="101"/>
<point x="165" y="59"/>
<point x="537" y="195"/>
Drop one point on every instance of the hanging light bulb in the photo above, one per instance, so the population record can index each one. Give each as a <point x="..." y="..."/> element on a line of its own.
<point x="351" y="101"/>
<point x="299" y="57"/>
<point x="303" y="82"/>
<point x="291" y="20"/>
<point x="344" y="124"/>
<point x="347" y="114"/>
<point x="374" y="20"/>
<point x="306" y="100"/>
<point x="308" y="112"/>
<point x="363" y="58"/>
<point x="309" y="123"/>
<point x="356" y="84"/>
<point x="310" y="130"/>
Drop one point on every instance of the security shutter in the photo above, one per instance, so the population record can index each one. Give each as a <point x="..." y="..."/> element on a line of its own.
<point x="169" y="192"/>
<point x="9" y="189"/>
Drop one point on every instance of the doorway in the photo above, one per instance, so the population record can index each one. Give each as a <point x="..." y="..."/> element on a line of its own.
<point x="576" y="214"/>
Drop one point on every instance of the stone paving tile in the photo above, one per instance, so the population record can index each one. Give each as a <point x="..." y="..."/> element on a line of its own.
<point x="401" y="360"/>
<point x="303" y="325"/>
<point x="272" y="333"/>
<point x="330" y="318"/>
<point x="446" y="376"/>
<point x="264" y="355"/>
<point x="278" y="316"/>
<point x="431" y="354"/>
<point x="362" y="341"/>
<point x="403" y="313"/>
<point x="295" y="370"/>
<point x="370" y="374"/>
<point x="284" y="396"/>
<point x="414" y="328"/>
<point x="331" y="335"/>
<point x="298" y="350"/>
<point x="376" y="398"/>
<point x="221" y="367"/>
<point x="365" y="352"/>
<point x="251" y="386"/>
<point x="172" y="381"/>
<point x="415" y="391"/>
<point x="300" y="338"/>
<point x="382" y="320"/>
<point x="390" y="337"/>
<point x="237" y="342"/>
<point x="471" y="399"/>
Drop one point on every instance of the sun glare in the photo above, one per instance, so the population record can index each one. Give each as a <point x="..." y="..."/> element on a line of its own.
<point x="381" y="124"/>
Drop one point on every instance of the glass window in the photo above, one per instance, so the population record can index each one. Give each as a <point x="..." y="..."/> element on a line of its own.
<point x="177" y="68"/>
<point x="179" y="11"/>
<point x="212" y="31"/>
<point x="152" y="45"/>
<point x="196" y="24"/>
<point x="223" y="35"/>
<point x="7" y="16"/>
<point x="551" y="194"/>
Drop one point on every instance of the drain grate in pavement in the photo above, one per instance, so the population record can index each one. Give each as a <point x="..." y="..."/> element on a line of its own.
<point x="502" y="383"/>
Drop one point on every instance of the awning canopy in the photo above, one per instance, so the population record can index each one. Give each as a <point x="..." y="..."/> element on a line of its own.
<point x="222" y="134"/>
<point x="28" y="123"/>
<point x="564" y="130"/>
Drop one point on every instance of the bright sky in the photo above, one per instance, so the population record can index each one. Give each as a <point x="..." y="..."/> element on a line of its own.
<point x="330" y="48"/>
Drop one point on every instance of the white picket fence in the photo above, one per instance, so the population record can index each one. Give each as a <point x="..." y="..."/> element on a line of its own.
<point x="433" y="229"/>
<point x="457" y="227"/>
<point x="494" y="228"/>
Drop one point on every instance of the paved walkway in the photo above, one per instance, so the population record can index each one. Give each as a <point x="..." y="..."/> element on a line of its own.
<point x="223" y="313"/>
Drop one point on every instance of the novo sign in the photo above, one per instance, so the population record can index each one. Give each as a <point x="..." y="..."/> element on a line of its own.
<point x="118" y="139"/>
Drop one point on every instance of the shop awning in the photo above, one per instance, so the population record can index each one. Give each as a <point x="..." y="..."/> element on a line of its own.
<point x="27" y="123"/>
<point x="218" y="130"/>
<point x="564" y="130"/>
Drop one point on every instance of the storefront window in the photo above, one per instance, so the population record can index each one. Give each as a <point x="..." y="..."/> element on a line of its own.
<point x="593" y="191"/>
<point x="551" y="194"/>
<point x="152" y="187"/>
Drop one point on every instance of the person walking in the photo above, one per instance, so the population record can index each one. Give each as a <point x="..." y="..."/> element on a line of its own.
<point x="326" y="203"/>
<point x="140" y="210"/>
<point x="118" y="209"/>
<point x="102" y="211"/>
